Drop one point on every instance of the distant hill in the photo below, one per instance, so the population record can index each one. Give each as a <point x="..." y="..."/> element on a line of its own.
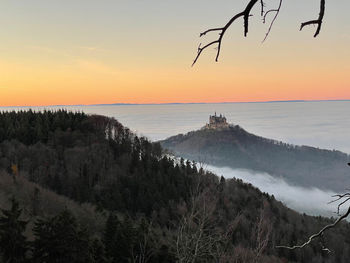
<point x="236" y="148"/>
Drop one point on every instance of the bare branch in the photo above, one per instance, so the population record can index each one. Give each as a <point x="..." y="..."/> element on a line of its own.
<point x="222" y="30"/>
<point x="320" y="233"/>
<point x="318" y="21"/>
<point x="340" y="197"/>
<point x="196" y="237"/>
<point x="262" y="5"/>
<point x="246" y="14"/>
<point x="277" y="11"/>
<point x="264" y="230"/>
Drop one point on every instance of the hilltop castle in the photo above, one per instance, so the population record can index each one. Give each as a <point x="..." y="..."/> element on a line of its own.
<point x="217" y="122"/>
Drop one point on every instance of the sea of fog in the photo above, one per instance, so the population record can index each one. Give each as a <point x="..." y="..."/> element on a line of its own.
<point x="323" y="124"/>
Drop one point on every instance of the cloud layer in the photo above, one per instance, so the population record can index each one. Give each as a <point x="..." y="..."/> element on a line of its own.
<point x="311" y="201"/>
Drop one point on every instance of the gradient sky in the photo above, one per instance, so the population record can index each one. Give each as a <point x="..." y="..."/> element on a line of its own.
<point x="135" y="51"/>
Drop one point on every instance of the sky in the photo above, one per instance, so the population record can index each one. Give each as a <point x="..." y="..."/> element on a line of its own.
<point x="133" y="51"/>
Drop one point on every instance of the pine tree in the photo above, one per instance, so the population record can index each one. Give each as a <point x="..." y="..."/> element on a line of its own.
<point x="119" y="239"/>
<point x="97" y="251"/>
<point x="126" y="238"/>
<point x="110" y="237"/>
<point x="13" y="244"/>
<point x="60" y="239"/>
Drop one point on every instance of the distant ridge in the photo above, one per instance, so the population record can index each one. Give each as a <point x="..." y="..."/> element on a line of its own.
<point x="223" y="102"/>
<point x="172" y="103"/>
<point x="236" y="148"/>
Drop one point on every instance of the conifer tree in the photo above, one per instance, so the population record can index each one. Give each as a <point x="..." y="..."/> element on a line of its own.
<point x="60" y="239"/>
<point x="110" y="237"/>
<point x="13" y="244"/>
<point x="119" y="239"/>
<point x="97" y="251"/>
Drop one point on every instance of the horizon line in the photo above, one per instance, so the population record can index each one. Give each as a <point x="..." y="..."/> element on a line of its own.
<point x="173" y="103"/>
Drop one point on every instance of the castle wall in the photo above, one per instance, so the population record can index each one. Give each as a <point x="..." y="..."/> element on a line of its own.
<point x="217" y="122"/>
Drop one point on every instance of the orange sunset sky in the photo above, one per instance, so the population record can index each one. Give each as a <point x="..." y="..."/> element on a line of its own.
<point x="122" y="51"/>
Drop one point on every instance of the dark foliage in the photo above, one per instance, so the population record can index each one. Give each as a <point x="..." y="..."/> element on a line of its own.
<point x="13" y="244"/>
<point x="91" y="159"/>
<point x="60" y="239"/>
<point x="30" y="127"/>
<point x="148" y="197"/>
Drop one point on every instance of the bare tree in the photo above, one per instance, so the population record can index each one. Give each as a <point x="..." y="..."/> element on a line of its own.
<point x="197" y="239"/>
<point x="144" y="251"/>
<point x="263" y="231"/>
<point x="245" y="14"/>
<point x="202" y="161"/>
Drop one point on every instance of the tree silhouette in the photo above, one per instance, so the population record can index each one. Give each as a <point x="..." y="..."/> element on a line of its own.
<point x="245" y="14"/>
<point x="61" y="239"/>
<point x="13" y="244"/>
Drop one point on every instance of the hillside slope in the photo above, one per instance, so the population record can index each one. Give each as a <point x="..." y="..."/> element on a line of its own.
<point x="38" y="202"/>
<point x="157" y="206"/>
<point x="236" y="148"/>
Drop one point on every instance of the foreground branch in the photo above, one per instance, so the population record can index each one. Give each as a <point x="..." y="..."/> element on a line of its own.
<point x="321" y="232"/>
<point x="340" y="197"/>
<point x="318" y="21"/>
<point x="276" y="11"/>
<point x="222" y="30"/>
<point x="245" y="14"/>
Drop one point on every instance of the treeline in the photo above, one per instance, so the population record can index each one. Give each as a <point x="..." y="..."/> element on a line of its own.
<point x="236" y="148"/>
<point x="154" y="209"/>
<point x="30" y="127"/>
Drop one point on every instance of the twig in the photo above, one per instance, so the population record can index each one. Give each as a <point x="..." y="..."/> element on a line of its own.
<point x="277" y="11"/>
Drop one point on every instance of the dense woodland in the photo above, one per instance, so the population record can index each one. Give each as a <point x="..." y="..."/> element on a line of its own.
<point x="236" y="148"/>
<point x="83" y="188"/>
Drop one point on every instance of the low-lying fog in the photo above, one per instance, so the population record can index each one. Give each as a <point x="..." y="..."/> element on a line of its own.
<point x="311" y="201"/>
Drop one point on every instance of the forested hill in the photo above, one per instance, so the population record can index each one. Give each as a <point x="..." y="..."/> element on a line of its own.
<point x="83" y="188"/>
<point x="236" y="148"/>
<point x="89" y="159"/>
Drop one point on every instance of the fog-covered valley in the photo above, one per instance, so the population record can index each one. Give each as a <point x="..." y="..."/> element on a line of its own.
<point x="312" y="201"/>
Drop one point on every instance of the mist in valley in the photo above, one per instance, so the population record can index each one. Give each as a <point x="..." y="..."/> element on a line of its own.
<point x="312" y="201"/>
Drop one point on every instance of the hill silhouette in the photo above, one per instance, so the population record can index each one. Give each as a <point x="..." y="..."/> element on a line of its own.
<point x="236" y="148"/>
